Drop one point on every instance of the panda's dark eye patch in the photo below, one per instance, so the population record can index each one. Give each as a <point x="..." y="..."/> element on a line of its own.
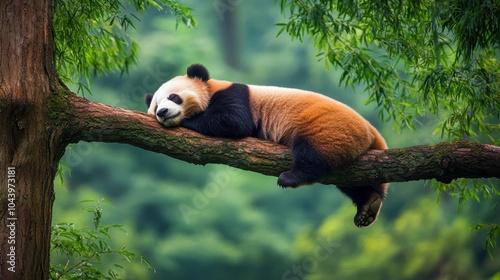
<point x="175" y="98"/>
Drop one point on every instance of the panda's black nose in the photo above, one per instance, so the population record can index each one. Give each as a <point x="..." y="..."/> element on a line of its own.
<point x="162" y="112"/>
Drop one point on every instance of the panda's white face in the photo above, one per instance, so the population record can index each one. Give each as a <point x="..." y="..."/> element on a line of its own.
<point x="176" y="100"/>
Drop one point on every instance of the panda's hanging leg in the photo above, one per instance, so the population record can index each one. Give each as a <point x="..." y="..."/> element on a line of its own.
<point x="368" y="200"/>
<point x="308" y="165"/>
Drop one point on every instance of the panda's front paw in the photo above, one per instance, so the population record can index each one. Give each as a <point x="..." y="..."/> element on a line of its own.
<point x="152" y="113"/>
<point x="289" y="179"/>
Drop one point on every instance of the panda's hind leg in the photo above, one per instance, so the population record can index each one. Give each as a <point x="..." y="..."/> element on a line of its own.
<point x="309" y="166"/>
<point x="368" y="200"/>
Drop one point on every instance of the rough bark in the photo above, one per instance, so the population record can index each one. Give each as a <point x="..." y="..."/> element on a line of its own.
<point x="28" y="150"/>
<point x="89" y="121"/>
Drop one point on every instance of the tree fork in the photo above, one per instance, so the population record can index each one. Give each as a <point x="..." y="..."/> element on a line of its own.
<point x="90" y="121"/>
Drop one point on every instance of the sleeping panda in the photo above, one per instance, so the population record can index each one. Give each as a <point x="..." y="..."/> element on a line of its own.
<point x="322" y="134"/>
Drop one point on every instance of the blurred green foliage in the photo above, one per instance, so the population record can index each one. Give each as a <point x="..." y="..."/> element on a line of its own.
<point x="215" y="222"/>
<point x="421" y="243"/>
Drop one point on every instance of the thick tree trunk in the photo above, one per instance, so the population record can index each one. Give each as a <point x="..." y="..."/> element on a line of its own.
<point x="28" y="151"/>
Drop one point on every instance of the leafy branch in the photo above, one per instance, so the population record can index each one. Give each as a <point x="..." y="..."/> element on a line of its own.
<point x="92" y="41"/>
<point x="84" y="247"/>
<point x="407" y="52"/>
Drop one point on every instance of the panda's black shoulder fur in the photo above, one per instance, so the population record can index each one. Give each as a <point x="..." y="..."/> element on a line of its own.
<point x="228" y="114"/>
<point x="198" y="71"/>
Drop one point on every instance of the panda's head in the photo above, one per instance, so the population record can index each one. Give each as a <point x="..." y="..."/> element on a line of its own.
<point x="181" y="97"/>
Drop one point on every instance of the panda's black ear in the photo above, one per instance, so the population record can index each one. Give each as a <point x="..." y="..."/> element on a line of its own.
<point x="147" y="98"/>
<point x="198" y="71"/>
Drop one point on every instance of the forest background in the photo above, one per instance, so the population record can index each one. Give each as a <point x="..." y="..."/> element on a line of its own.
<point x="216" y="222"/>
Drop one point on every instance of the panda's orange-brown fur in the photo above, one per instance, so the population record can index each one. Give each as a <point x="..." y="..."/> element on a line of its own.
<point x="323" y="134"/>
<point x="284" y="113"/>
<point x="334" y="129"/>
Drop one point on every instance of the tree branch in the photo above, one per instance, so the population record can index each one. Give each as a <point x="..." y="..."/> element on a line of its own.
<point x="94" y="122"/>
